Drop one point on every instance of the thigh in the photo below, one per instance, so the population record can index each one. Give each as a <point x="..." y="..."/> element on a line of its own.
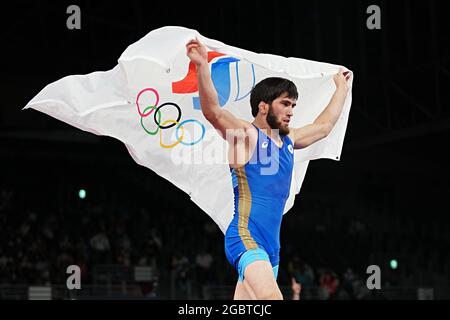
<point x="260" y="278"/>
<point x="243" y="292"/>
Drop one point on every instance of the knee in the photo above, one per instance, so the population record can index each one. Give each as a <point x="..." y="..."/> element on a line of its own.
<point x="270" y="295"/>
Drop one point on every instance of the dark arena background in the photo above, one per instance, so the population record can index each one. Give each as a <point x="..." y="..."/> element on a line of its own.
<point x="68" y="197"/>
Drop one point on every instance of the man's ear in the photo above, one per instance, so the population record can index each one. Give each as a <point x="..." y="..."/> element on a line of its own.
<point x="263" y="108"/>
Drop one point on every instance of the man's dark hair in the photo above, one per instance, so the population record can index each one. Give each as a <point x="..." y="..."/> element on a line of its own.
<point x="269" y="89"/>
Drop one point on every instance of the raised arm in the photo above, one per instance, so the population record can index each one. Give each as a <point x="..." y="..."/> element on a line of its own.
<point x="324" y="123"/>
<point x="220" y="119"/>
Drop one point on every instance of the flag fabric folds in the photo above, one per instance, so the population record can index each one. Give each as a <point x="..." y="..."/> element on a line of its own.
<point x="149" y="101"/>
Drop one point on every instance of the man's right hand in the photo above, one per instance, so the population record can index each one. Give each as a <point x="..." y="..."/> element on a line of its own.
<point x="196" y="51"/>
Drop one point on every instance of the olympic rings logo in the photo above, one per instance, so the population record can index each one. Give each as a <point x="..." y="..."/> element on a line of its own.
<point x="167" y="124"/>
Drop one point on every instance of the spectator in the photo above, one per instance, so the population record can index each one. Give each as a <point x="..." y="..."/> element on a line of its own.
<point x="203" y="261"/>
<point x="296" y="288"/>
<point x="329" y="282"/>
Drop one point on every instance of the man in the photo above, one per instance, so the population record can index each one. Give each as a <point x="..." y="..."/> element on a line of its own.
<point x="252" y="239"/>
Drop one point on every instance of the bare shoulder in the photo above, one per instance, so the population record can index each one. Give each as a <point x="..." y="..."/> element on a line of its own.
<point x="246" y="124"/>
<point x="245" y="130"/>
<point x="293" y="133"/>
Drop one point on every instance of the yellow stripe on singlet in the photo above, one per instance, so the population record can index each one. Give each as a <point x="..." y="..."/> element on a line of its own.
<point x="244" y="207"/>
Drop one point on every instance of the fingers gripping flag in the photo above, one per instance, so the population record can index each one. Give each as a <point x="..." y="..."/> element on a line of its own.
<point x="150" y="102"/>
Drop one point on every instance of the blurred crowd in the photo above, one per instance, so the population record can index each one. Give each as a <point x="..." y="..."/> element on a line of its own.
<point x="321" y="248"/>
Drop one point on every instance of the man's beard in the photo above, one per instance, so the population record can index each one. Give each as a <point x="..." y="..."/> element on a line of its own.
<point x="274" y="124"/>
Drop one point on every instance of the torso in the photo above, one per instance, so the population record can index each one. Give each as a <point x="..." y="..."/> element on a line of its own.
<point x="261" y="187"/>
<point x="240" y="153"/>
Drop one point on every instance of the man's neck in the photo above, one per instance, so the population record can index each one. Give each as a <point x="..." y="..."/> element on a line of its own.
<point x="263" y="125"/>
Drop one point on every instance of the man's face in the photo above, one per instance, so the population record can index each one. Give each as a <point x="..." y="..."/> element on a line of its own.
<point x="280" y="113"/>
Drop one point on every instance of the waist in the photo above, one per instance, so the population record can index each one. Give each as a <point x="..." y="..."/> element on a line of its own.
<point x="267" y="237"/>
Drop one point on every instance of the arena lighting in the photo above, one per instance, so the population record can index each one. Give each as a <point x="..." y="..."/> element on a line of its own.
<point x="82" y="193"/>
<point x="394" y="264"/>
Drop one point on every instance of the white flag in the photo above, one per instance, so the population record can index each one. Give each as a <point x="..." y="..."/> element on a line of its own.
<point x="149" y="101"/>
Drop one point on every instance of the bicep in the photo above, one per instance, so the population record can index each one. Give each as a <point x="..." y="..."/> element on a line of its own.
<point x="307" y="135"/>
<point x="224" y="120"/>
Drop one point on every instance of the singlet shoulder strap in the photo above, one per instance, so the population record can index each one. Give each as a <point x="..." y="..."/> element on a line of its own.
<point x="287" y="139"/>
